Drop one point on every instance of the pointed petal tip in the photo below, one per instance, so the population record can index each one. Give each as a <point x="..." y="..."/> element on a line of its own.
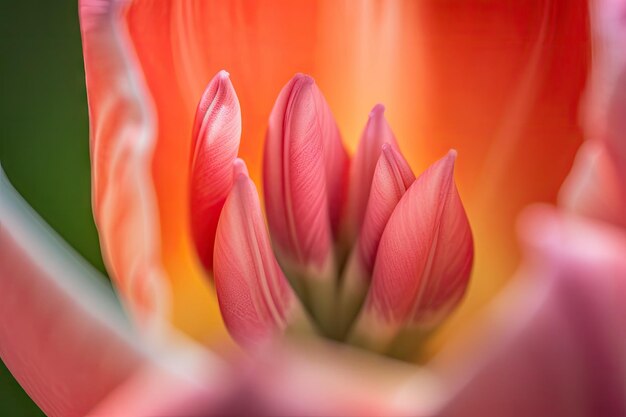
<point x="216" y="136"/>
<point x="240" y="169"/>
<point x="377" y="111"/>
<point x="303" y="78"/>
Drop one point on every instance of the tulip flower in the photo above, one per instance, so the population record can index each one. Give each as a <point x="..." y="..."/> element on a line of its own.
<point x="485" y="78"/>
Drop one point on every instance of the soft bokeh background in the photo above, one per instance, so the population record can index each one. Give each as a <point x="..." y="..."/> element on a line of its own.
<point x="44" y="146"/>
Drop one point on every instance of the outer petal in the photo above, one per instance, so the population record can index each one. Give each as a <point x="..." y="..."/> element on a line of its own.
<point x="124" y="129"/>
<point x="558" y="347"/>
<point x="216" y="135"/>
<point x="423" y="261"/>
<point x="62" y="334"/>
<point x="377" y="132"/>
<point x="391" y="179"/>
<point x="122" y="137"/>
<point x="596" y="186"/>
<point x="255" y="298"/>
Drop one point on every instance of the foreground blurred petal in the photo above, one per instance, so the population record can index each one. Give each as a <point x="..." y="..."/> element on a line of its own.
<point x="377" y="132"/>
<point x="62" y="333"/>
<point x="606" y="95"/>
<point x="187" y="373"/>
<point x="423" y="261"/>
<point x="216" y="135"/>
<point x="122" y="131"/>
<point x="594" y="187"/>
<point x="255" y="298"/>
<point x="559" y="345"/>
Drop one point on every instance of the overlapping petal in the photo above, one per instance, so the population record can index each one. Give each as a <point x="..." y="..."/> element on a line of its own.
<point x="377" y="132"/>
<point x="391" y="178"/>
<point x="216" y="135"/>
<point x="423" y="261"/>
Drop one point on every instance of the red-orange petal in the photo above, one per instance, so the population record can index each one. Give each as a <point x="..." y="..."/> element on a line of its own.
<point x="216" y="135"/>
<point x="122" y="137"/>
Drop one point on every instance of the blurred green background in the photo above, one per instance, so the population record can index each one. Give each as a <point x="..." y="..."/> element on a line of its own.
<point x="44" y="147"/>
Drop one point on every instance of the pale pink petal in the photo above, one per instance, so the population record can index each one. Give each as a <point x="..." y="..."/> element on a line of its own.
<point x="558" y="345"/>
<point x="186" y="382"/>
<point x="122" y="137"/>
<point x="62" y="334"/>
<point x="255" y="298"/>
<point x="216" y="135"/>
<point x="423" y="261"/>
<point x="377" y="132"/>
<point x="593" y="187"/>
<point x="294" y="176"/>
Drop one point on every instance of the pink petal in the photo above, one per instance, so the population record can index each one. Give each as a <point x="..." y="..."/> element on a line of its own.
<point x="606" y="94"/>
<point x="558" y="346"/>
<point x="216" y="134"/>
<point x="193" y="386"/>
<point x="377" y="132"/>
<point x="122" y="136"/>
<point x="391" y="179"/>
<point x="424" y="258"/>
<point x="255" y="298"/>
<point x="294" y="175"/>
<point x="62" y="334"/>
<point x="593" y="187"/>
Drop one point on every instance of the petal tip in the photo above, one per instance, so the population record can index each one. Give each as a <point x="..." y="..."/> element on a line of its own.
<point x="377" y="111"/>
<point x="240" y="169"/>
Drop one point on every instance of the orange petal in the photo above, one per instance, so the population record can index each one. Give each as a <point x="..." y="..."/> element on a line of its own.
<point x="62" y="334"/>
<point x="216" y="135"/>
<point x="122" y="134"/>
<point x="131" y="209"/>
